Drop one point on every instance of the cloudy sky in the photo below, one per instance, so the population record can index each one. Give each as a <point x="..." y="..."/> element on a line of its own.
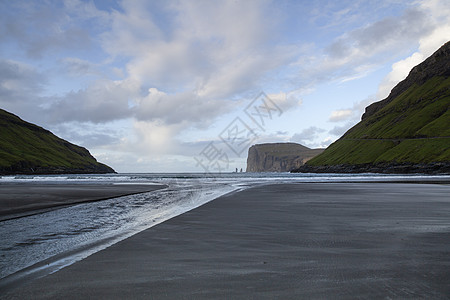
<point x="177" y="86"/>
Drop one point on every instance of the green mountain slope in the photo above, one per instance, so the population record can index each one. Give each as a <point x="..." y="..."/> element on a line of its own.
<point x="29" y="149"/>
<point x="407" y="132"/>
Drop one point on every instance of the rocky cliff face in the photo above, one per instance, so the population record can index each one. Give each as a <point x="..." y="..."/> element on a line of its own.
<point x="278" y="157"/>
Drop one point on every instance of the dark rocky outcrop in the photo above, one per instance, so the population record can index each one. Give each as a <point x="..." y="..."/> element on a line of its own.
<point x="385" y="168"/>
<point x="278" y="157"/>
<point x="29" y="149"/>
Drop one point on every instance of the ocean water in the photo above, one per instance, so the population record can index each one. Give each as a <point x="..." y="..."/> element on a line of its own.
<point x="44" y="243"/>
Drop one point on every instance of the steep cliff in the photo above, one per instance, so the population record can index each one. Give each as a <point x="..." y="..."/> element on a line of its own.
<point x="278" y="157"/>
<point x="29" y="149"/>
<point x="408" y="132"/>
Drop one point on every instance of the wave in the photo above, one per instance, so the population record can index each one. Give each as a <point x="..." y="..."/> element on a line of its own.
<point x="174" y="177"/>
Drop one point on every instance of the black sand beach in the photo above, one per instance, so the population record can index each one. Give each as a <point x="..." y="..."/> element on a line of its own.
<point x="22" y="199"/>
<point x="287" y="241"/>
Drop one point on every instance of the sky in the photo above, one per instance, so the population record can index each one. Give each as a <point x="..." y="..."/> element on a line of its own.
<point x="188" y="86"/>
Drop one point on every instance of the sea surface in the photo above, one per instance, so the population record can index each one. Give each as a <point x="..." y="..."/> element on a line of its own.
<point x="44" y="243"/>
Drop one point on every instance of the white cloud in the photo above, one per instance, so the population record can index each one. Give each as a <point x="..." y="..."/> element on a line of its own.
<point x="340" y="115"/>
<point x="340" y="130"/>
<point x="350" y="114"/>
<point x="213" y="49"/>
<point x="437" y="12"/>
<point x="185" y="108"/>
<point x="40" y="28"/>
<point x="286" y="101"/>
<point x="152" y="138"/>
<point x="359" y="52"/>
<point x="19" y="85"/>
<point x="307" y="135"/>
<point x="90" y="135"/>
<point x="16" y="77"/>
<point x="325" y="142"/>
<point x="191" y="58"/>
<point x="79" y="67"/>
<point x="102" y="101"/>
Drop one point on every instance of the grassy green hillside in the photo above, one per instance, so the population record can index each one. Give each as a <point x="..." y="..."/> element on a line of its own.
<point x="27" y="148"/>
<point x="412" y="128"/>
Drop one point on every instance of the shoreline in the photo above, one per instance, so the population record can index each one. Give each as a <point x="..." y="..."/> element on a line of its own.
<point x="19" y="200"/>
<point x="282" y="240"/>
<point x="57" y="262"/>
<point x="434" y="168"/>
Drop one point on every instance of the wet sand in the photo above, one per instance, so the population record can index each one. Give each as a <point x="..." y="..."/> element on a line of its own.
<point x="286" y="241"/>
<point x="23" y="199"/>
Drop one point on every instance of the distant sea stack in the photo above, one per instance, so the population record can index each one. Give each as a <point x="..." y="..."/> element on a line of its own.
<point x="278" y="157"/>
<point x="408" y="132"/>
<point x="29" y="149"/>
